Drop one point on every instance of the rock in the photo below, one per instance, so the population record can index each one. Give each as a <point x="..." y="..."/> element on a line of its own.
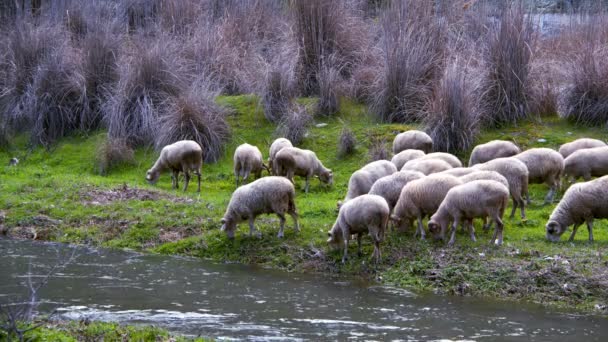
<point x="319" y="125"/>
<point x="542" y="140"/>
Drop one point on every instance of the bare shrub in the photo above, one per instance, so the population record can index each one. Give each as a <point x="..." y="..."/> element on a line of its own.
<point x="113" y="153"/>
<point x="412" y="44"/>
<point x="180" y="16"/>
<point x="140" y="15"/>
<point x="75" y="22"/>
<point x="329" y="93"/>
<point x="278" y="91"/>
<point x="295" y="124"/>
<point x="377" y="149"/>
<point x="347" y="143"/>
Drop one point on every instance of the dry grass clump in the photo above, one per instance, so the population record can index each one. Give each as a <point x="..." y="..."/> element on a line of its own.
<point x="278" y="91"/>
<point x="377" y="149"/>
<point x="294" y="125"/>
<point x="347" y="143"/>
<point x="113" y="153"/>
<point x="329" y="92"/>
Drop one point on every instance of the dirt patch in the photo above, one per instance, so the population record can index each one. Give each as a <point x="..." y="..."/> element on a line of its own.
<point x="126" y="193"/>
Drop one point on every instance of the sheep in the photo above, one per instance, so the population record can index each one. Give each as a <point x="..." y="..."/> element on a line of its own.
<point x="263" y="196"/>
<point x="587" y="163"/>
<point x="361" y="181"/>
<point x="366" y="213"/>
<point x="582" y="202"/>
<point x="485" y="175"/>
<point x="182" y="156"/>
<point x="446" y="157"/>
<point x="491" y="150"/>
<point x="420" y="198"/>
<point x="404" y="156"/>
<point x="426" y="166"/>
<point x="544" y="166"/>
<point x="248" y="159"/>
<point x="290" y="161"/>
<point x="389" y="187"/>
<point x="568" y="148"/>
<point x="412" y="139"/>
<point x="516" y="173"/>
<point x="479" y="198"/>
<point x="457" y="171"/>
<point x="276" y="146"/>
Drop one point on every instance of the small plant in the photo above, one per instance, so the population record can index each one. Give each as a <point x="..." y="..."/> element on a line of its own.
<point x="113" y="153"/>
<point x="347" y="143"/>
<point x="378" y="150"/>
<point x="295" y="124"/>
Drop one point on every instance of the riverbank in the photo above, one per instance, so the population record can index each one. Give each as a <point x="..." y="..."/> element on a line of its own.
<point x="57" y="196"/>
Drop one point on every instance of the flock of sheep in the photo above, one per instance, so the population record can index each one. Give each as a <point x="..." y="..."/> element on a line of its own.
<point x="417" y="183"/>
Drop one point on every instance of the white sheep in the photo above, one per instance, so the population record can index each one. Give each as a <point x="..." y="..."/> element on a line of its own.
<point x="587" y="163"/>
<point x="412" y="139"/>
<point x="581" y="203"/>
<point x="364" y="214"/>
<point x="446" y="157"/>
<point x="404" y="156"/>
<point x="248" y="160"/>
<point x="426" y="166"/>
<point x="480" y="198"/>
<point x="389" y="187"/>
<point x="568" y="148"/>
<point x="266" y="195"/>
<point x="421" y="198"/>
<point x="491" y="150"/>
<point x="485" y="175"/>
<point x="457" y="171"/>
<point x="516" y="173"/>
<point x="182" y="156"/>
<point x="544" y="166"/>
<point x="275" y="147"/>
<point x="361" y="181"/>
<point x="291" y="161"/>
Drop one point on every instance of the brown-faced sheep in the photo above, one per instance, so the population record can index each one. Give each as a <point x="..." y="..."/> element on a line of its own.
<point x="581" y="203"/>
<point x="361" y="181"/>
<point x="275" y="147"/>
<point x="516" y="173"/>
<point x="587" y="163"/>
<point x="291" y="161"/>
<point x="544" y="166"/>
<point x="403" y="157"/>
<point x="248" y="160"/>
<point x="266" y="195"/>
<point x="491" y="150"/>
<point x="426" y="166"/>
<point x="182" y="156"/>
<point x="480" y="198"/>
<point x="446" y="157"/>
<point x="579" y="144"/>
<point x="364" y="214"/>
<point x="420" y="198"/>
<point x="412" y="139"/>
<point x="389" y="187"/>
<point x="457" y="171"/>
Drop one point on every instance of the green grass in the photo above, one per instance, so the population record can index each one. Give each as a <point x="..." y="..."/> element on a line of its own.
<point x="58" y="185"/>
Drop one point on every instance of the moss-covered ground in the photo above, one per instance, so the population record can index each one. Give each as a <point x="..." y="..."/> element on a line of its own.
<point x="57" y="195"/>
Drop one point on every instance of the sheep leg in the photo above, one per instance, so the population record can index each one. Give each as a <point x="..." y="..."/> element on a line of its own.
<point x="198" y="174"/>
<point x="515" y="204"/>
<point x="186" y="180"/>
<point x="453" y="234"/>
<point x="420" y="228"/>
<point x="497" y="231"/>
<point x="377" y="255"/>
<point x="282" y="227"/>
<point x="471" y="230"/>
<point x="252" y="227"/>
<point x="346" y="237"/>
<point x="359" y="236"/>
<point x="236" y="178"/>
<point x="245" y="176"/>
<point x="551" y="193"/>
<point x="307" y="183"/>
<point x="574" y="229"/>
<point x="590" y="229"/>
<point x="174" y="179"/>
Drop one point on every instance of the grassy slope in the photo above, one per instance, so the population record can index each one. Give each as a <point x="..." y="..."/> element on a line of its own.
<point x="56" y="184"/>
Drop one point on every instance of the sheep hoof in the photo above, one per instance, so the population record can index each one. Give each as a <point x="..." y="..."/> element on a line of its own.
<point x="280" y="235"/>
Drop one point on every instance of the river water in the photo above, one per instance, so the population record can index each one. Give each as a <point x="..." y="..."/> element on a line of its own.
<point x="198" y="297"/>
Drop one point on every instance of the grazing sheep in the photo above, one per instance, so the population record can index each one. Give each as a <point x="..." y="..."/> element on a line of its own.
<point x="290" y="161"/>
<point x="182" y="156"/>
<point x="516" y="173"/>
<point x="420" y="198"/>
<point x="247" y="160"/>
<point x="412" y="139"/>
<point x="568" y="148"/>
<point x="389" y="187"/>
<point x="491" y="150"/>
<point x="13" y="162"/>
<point x="446" y="157"/>
<point x="276" y="146"/>
<point x="587" y="163"/>
<point x="457" y="171"/>
<point x="264" y="196"/>
<point x="582" y="202"/>
<point x="485" y="175"/>
<point x="426" y="166"/>
<point x="544" y="166"/>
<point x="361" y="181"/>
<point x="404" y="156"/>
<point x="480" y="198"/>
<point x="366" y="213"/>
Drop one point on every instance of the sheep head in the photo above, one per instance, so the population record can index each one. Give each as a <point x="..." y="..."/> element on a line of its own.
<point x="228" y="226"/>
<point x="327" y="177"/>
<point x="554" y="230"/>
<point x="152" y="176"/>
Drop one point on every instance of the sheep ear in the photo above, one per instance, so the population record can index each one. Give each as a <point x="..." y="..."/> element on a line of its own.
<point x="223" y="220"/>
<point x="329" y="234"/>
<point x="329" y="240"/>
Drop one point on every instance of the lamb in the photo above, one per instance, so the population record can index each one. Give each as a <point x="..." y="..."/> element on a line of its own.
<point x="276" y="146"/>
<point x="420" y="198"/>
<point x="404" y="156"/>
<point x="516" y="173"/>
<point x="491" y="150"/>
<point x="480" y="198"/>
<point x="446" y="157"/>
<point x="264" y="196"/>
<point x="582" y="202"/>
<point x="182" y="156"/>
<point x="361" y="181"/>
<point x="412" y="139"/>
<point x="389" y="187"/>
<point x="366" y="213"/>
<point x="247" y="160"/>
<point x="457" y="171"/>
<point x="544" y="166"/>
<point x="290" y="161"/>
<point x="587" y="163"/>
<point x="567" y="149"/>
<point x="426" y="166"/>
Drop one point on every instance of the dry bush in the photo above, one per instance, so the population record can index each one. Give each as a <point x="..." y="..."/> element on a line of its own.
<point x="413" y="49"/>
<point x="329" y="92"/>
<point x="75" y="22"/>
<point x="294" y="125"/>
<point x="180" y="16"/>
<point x="378" y="150"/>
<point x="140" y="15"/>
<point x="113" y="153"/>
<point x="347" y="143"/>
<point x="278" y="90"/>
